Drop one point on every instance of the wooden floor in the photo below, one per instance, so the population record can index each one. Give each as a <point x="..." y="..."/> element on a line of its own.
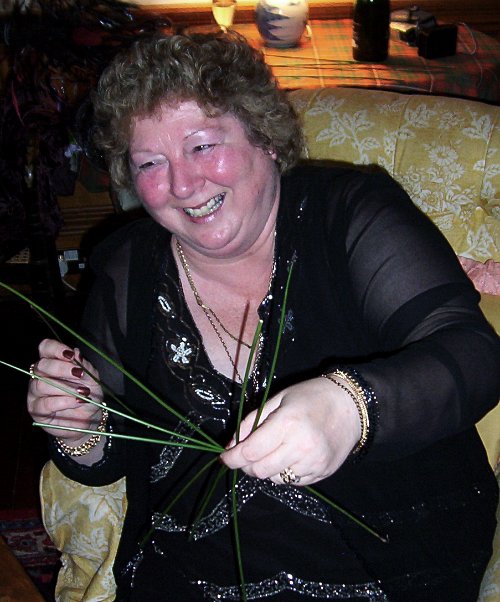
<point x="15" y="584"/>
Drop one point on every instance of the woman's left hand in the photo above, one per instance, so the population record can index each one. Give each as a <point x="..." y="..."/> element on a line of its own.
<point x="309" y="428"/>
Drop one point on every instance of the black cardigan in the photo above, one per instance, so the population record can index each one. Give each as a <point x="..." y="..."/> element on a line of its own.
<point x="375" y="287"/>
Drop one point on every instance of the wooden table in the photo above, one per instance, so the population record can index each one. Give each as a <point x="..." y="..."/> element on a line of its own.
<point x="325" y="59"/>
<point x="15" y="585"/>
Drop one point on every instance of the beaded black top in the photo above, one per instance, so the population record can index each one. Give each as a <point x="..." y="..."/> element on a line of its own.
<point x="375" y="289"/>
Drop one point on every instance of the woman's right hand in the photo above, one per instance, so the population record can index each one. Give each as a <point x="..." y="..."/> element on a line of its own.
<point x="51" y="406"/>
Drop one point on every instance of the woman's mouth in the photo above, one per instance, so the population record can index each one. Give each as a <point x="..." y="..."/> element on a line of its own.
<point x="210" y="207"/>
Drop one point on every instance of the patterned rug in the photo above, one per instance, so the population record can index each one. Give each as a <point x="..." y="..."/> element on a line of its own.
<point x="24" y="534"/>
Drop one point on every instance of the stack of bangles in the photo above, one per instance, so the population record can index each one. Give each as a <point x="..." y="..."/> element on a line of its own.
<point x="361" y="400"/>
<point x="85" y="448"/>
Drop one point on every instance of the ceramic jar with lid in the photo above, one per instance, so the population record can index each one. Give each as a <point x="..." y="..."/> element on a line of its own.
<point x="281" y="23"/>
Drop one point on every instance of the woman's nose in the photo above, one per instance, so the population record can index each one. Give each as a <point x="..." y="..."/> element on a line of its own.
<point x="184" y="179"/>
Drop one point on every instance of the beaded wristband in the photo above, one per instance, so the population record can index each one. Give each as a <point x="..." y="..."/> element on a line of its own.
<point x="357" y="394"/>
<point x="85" y="448"/>
<point x="356" y="381"/>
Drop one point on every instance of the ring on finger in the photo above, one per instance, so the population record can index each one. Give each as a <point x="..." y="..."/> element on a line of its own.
<point x="32" y="371"/>
<point x="289" y="477"/>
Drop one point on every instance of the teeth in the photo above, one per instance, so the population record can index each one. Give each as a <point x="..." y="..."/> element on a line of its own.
<point x="213" y="204"/>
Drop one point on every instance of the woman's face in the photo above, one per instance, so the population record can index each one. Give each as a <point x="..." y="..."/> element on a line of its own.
<point x="202" y="179"/>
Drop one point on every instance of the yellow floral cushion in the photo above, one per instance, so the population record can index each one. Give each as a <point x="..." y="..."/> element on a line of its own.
<point x="445" y="152"/>
<point x="85" y="525"/>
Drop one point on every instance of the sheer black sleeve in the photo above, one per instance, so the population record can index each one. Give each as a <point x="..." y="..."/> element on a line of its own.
<point x="104" y="324"/>
<point x="437" y="368"/>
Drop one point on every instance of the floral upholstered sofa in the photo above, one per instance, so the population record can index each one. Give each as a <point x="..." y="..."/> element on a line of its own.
<point x="446" y="153"/>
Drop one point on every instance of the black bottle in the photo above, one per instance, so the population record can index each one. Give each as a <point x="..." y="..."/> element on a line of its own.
<point x="370" y="30"/>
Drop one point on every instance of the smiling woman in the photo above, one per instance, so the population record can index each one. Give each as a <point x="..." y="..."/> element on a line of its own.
<point x="385" y="362"/>
<point x="205" y="171"/>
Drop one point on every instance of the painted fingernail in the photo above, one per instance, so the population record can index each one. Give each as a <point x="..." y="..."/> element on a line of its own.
<point x="77" y="372"/>
<point x="84" y="392"/>
<point x="68" y="354"/>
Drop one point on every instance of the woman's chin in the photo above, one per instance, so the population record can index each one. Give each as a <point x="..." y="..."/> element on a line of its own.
<point x="217" y="242"/>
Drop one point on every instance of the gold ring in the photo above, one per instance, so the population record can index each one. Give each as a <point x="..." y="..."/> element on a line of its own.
<point x="32" y="371"/>
<point x="289" y="477"/>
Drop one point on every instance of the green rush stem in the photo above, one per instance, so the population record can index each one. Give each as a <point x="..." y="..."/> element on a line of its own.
<point x="244" y="385"/>
<point x="113" y="363"/>
<point x="338" y="508"/>
<point x="105" y="388"/>
<point x="236" y="527"/>
<point x="209" y="446"/>
<point x="178" y="497"/>
<point x="208" y="496"/>
<point x="240" y="414"/>
<point x="276" y="350"/>
<point x="201" y="447"/>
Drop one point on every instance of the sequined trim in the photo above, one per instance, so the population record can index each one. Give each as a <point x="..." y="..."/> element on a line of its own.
<point x="181" y="352"/>
<point x="294" y="498"/>
<point x="169" y="454"/>
<point x="132" y="566"/>
<point x="207" y="394"/>
<point x="167" y="523"/>
<point x="371" y="592"/>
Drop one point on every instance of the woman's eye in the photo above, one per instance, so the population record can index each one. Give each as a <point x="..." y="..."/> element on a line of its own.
<point x="203" y="147"/>
<point x="146" y="164"/>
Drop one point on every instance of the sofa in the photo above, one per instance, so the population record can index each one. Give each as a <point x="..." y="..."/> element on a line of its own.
<point x="446" y="153"/>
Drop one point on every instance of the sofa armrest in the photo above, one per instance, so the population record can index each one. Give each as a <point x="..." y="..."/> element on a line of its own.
<point x="85" y="524"/>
